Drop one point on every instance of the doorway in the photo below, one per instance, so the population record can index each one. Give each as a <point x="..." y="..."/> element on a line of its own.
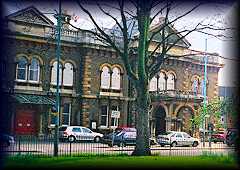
<point x="160" y="122"/>
<point x="25" y="122"/>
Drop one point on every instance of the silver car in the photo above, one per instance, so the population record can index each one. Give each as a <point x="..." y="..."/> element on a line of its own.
<point x="80" y="133"/>
<point x="174" y="138"/>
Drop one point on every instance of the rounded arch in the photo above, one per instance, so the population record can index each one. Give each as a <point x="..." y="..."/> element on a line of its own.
<point x="39" y="58"/>
<point x="22" y="55"/>
<point x="172" y="72"/>
<point x="183" y="105"/>
<point x="71" y="62"/>
<point x="119" y="67"/>
<point x="158" y="123"/>
<point x="163" y="71"/>
<point x="161" y="105"/>
<point x="54" y="60"/>
<point x="183" y="122"/>
<point x="105" y="65"/>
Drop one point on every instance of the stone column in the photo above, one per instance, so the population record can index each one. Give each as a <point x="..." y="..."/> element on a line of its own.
<point x="168" y="123"/>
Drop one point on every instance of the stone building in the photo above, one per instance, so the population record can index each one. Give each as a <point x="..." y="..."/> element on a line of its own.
<point x="93" y="80"/>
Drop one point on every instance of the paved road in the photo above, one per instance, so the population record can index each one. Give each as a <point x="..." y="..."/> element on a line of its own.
<point x="66" y="148"/>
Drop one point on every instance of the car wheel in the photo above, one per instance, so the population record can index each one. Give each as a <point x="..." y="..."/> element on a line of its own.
<point x="174" y="144"/>
<point x="71" y="139"/>
<point x="162" y="145"/>
<point x="214" y="141"/>
<point x="195" y="144"/>
<point x="97" y="139"/>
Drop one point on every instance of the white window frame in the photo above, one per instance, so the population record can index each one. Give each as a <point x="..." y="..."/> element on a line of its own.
<point x="161" y="82"/>
<point x="69" y="115"/>
<point x="107" y="115"/>
<point x="113" y="78"/>
<point x="109" y="78"/>
<point x="26" y="70"/>
<point x="29" y="71"/>
<point x="153" y="84"/>
<point x="171" y="83"/>
<point x="60" y="74"/>
<point x="64" y="75"/>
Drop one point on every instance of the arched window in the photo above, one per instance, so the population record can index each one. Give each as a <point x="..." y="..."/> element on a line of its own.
<point x="21" y="72"/>
<point x="105" y="78"/>
<point x="170" y="82"/>
<point x="116" y="78"/>
<point x="162" y="81"/>
<point x="54" y="73"/>
<point x="153" y="84"/>
<point x="34" y="70"/>
<point x="68" y="74"/>
<point x="195" y="87"/>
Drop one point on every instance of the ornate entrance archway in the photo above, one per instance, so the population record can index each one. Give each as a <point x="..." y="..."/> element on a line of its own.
<point x="183" y="123"/>
<point x="159" y="122"/>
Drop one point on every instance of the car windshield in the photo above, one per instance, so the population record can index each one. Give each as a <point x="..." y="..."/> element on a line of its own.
<point x="166" y="133"/>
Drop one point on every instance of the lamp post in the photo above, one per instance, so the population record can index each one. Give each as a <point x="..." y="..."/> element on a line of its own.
<point x="58" y="53"/>
<point x="204" y="92"/>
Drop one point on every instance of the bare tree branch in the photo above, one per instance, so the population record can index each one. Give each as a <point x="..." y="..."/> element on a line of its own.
<point x="123" y="54"/>
<point x="170" y="22"/>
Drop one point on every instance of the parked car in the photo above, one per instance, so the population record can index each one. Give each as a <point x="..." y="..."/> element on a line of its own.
<point x="219" y="136"/>
<point x="232" y="136"/>
<point x="122" y="136"/>
<point x="78" y="133"/>
<point x="6" y="140"/>
<point x="174" y="138"/>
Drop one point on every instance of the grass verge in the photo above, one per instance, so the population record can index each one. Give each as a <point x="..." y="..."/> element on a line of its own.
<point x="120" y="161"/>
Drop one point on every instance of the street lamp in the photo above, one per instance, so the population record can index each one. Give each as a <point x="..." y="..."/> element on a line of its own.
<point x="58" y="53"/>
<point x="204" y="92"/>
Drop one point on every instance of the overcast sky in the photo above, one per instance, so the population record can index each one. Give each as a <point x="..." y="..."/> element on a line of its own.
<point x="215" y="13"/>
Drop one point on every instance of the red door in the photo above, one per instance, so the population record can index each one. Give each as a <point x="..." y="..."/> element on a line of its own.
<point x="25" y="122"/>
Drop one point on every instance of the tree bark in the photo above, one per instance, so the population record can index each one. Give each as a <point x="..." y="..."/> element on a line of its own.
<point x="142" y="122"/>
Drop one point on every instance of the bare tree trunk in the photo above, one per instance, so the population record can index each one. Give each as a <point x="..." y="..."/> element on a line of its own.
<point x="142" y="125"/>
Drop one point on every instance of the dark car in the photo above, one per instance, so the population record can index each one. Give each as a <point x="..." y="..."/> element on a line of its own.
<point x="219" y="136"/>
<point x="232" y="136"/>
<point x="121" y="137"/>
<point x="6" y="140"/>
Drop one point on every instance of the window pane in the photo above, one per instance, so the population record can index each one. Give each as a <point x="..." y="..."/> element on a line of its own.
<point x="21" y="74"/>
<point x="34" y="70"/>
<point x="153" y="84"/>
<point x="161" y="82"/>
<point x="170" y="82"/>
<point x="76" y="130"/>
<point x="105" y="78"/>
<point x="65" y="119"/>
<point x="104" y="112"/>
<point x="54" y="73"/>
<point x="85" y="130"/>
<point x="68" y="75"/>
<point x="116" y="79"/>
<point x="66" y="108"/>
<point x="66" y="114"/>
<point x="21" y="68"/>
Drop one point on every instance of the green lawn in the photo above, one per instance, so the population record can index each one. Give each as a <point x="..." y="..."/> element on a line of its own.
<point x="120" y="162"/>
